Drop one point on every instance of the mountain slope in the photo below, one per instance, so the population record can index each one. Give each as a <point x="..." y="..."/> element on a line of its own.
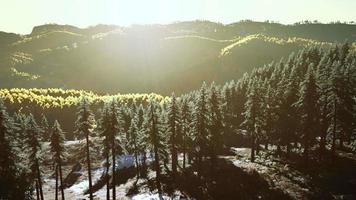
<point x="152" y="58"/>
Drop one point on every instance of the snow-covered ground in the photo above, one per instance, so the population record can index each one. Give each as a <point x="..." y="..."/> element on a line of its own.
<point x="153" y="196"/>
<point x="80" y="187"/>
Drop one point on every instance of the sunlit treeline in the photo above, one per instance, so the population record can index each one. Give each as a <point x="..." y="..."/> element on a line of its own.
<point x="55" y="97"/>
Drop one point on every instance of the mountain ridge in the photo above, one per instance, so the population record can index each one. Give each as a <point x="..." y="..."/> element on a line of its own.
<point x="152" y="58"/>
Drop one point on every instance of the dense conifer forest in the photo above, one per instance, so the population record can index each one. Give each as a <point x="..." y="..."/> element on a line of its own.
<point x="294" y="116"/>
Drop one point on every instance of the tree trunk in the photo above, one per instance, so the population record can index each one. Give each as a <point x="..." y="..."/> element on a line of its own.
<point x="107" y="177"/>
<point x="39" y="180"/>
<point x="113" y="150"/>
<point x="37" y="191"/>
<point x="189" y="158"/>
<point x="334" y="130"/>
<point x="61" y="178"/>
<point x="257" y="146"/>
<point x="158" y="170"/>
<point x="143" y="163"/>
<point x="89" y="167"/>
<point x="184" y="155"/>
<point x="341" y="145"/>
<point x="56" y="195"/>
<point x="306" y="149"/>
<point x="137" y="166"/>
<point x="288" y="150"/>
<point x="266" y="145"/>
<point x="278" y="149"/>
<point x="253" y="147"/>
<point x="322" y="145"/>
<point x="174" y="160"/>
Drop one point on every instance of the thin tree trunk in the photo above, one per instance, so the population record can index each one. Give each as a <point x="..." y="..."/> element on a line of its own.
<point x="174" y="160"/>
<point x="37" y="191"/>
<point x="334" y="130"/>
<point x="137" y="166"/>
<point x="184" y="155"/>
<point x="113" y="170"/>
<point x="39" y="180"/>
<point x="89" y="167"/>
<point x="266" y="145"/>
<point x="341" y="145"/>
<point x="144" y="158"/>
<point x="56" y="195"/>
<point x="107" y="177"/>
<point x="61" y="178"/>
<point x="288" y="150"/>
<point x="322" y="145"/>
<point x="253" y="147"/>
<point x="158" y="170"/>
<point x="306" y="149"/>
<point x="279" y="149"/>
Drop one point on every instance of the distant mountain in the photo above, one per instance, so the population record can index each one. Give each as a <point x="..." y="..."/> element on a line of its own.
<point x="152" y="58"/>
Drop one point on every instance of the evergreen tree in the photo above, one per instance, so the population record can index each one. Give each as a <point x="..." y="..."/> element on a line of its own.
<point x="154" y="140"/>
<point x="33" y="133"/>
<point x="215" y="124"/>
<point x="200" y="126"/>
<point x="133" y="145"/>
<point x="85" y="125"/>
<point x="185" y="121"/>
<point x="308" y="107"/>
<point x="172" y="132"/>
<point x="57" y="148"/>
<point x="253" y="113"/>
<point x="46" y="129"/>
<point x="8" y="169"/>
<point x="114" y="130"/>
<point x="323" y="76"/>
<point x="104" y="131"/>
<point x="289" y="113"/>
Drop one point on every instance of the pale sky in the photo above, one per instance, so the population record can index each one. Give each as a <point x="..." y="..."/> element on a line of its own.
<point x="20" y="16"/>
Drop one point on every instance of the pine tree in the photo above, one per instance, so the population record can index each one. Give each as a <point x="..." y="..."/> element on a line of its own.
<point x="33" y="133"/>
<point x="133" y="145"/>
<point x="200" y="126"/>
<point x="290" y="116"/>
<point x="347" y="102"/>
<point x="154" y="140"/>
<point x="172" y="132"/>
<point x="185" y="121"/>
<point x="308" y="107"/>
<point x="85" y="125"/>
<point x="323" y="76"/>
<point x="142" y="138"/>
<point x="8" y="170"/>
<point x="253" y="113"/>
<point x="215" y="124"/>
<point x="114" y="130"/>
<point x="104" y="131"/>
<point x="57" y="148"/>
<point x="46" y="129"/>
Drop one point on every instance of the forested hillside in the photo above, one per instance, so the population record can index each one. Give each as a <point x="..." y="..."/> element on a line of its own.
<point x="153" y="58"/>
<point x="296" y="115"/>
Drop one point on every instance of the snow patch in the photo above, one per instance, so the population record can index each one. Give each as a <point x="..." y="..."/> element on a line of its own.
<point x="149" y="196"/>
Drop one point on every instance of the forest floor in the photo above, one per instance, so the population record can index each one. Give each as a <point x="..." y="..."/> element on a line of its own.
<point x="330" y="178"/>
<point x="233" y="177"/>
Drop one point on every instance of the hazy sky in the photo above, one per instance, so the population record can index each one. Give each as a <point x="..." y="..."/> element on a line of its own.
<point x="21" y="15"/>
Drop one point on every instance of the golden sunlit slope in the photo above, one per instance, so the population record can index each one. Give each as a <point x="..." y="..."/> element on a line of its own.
<point x="257" y="50"/>
<point x="62" y="104"/>
<point x="59" y="98"/>
<point x="152" y="58"/>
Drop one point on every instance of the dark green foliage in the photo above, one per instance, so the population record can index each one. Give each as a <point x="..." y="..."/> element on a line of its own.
<point x="8" y="169"/>
<point x="57" y="148"/>
<point x="85" y="125"/>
